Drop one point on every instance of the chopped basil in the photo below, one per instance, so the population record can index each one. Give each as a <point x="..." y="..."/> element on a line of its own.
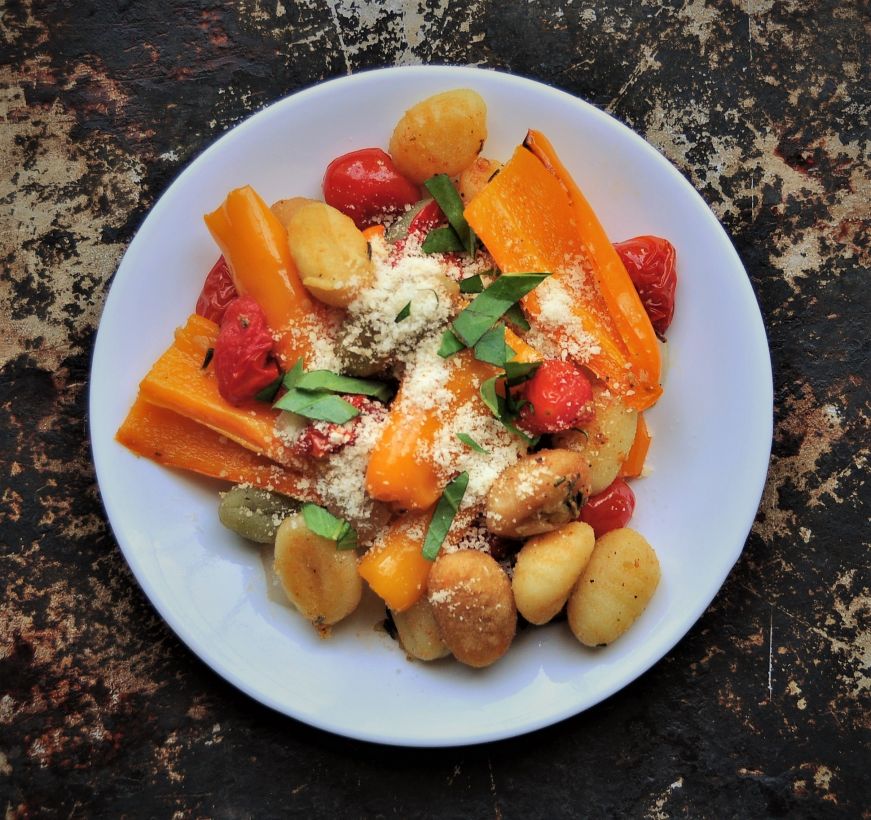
<point x="441" y="240"/>
<point x="450" y="344"/>
<point x="317" y="404"/>
<point x="514" y="314"/>
<point x="399" y="229"/>
<point x="326" y="380"/>
<point x="519" y="372"/>
<point x="468" y="440"/>
<point x="490" y="397"/>
<point x="404" y="313"/>
<point x="207" y="358"/>
<point x="269" y="392"/>
<point x="472" y="284"/>
<point x="504" y="408"/>
<point x="491" y="347"/>
<point x="293" y="375"/>
<point x="443" y="516"/>
<point x="322" y="522"/>
<point x="443" y="191"/>
<point x="487" y="307"/>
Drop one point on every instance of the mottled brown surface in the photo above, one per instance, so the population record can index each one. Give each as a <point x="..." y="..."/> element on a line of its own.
<point x="763" y="709"/>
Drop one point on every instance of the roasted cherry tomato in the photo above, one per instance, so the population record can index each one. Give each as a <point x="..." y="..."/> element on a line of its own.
<point x="218" y="291"/>
<point x="365" y="185"/>
<point x="649" y="261"/>
<point x="320" y="439"/>
<point x="560" y="397"/>
<point x="243" y="350"/>
<point x="610" y="509"/>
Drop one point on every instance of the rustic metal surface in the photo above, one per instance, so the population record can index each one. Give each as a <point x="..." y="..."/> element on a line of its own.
<point x="763" y="709"/>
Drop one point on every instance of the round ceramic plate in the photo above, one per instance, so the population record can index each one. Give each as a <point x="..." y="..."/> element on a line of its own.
<point x="708" y="461"/>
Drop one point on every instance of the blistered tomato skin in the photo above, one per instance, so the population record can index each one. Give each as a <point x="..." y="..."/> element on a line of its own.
<point x="217" y="293"/>
<point x="242" y="359"/>
<point x="610" y="509"/>
<point x="365" y="185"/>
<point x="560" y="397"/>
<point x="650" y="262"/>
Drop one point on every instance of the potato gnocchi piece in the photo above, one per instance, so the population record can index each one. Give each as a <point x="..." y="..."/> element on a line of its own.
<point x="320" y="580"/>
<point x="331" y="253"/>
<point x="537" y="494"/>
<point x="547" y="569"/>
<point x="440" y="135"/>
<point x="605" y="441"/>
<point x="614" y="588"/>
<point x="473" y="179"/>
<point x="419" y="633"/>
<point x="284" y="209"/>
<point x="471" y="599"/>
<point x="253" y="513"/>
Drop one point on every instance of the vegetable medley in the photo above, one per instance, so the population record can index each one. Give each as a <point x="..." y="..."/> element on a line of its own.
<point x="430" y="384"/>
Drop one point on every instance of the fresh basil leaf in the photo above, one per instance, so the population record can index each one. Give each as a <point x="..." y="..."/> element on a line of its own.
<point x="487" y="307"/>
<point x="293" y="375"/>
<point x="469" y="441"/>
<point x="443" y="516"/>
<point x="268" y="393"/>
<point x="472" y="284"/>
<point x="322" y="522"/>
<point x="404" y="313"/>
<point x="450" y="344"/>
<point x="319" y="405"/>
<point x="326" y="380"/>
<point x="441" y="240"/>
<point x="531" y="441"/>
<point x="207" y="358"/>
<point x="491" y="347"/>
<point x="518" y="372"/>
<point x="490" y="397"/>
<point x="399" y="229"/>
<point x="514" y="314"/>
<point x="443" y="192"/>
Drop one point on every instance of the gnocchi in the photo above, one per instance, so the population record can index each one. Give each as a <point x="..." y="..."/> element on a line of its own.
<point x="614" y="588"/>
<point x="442" y="134"/>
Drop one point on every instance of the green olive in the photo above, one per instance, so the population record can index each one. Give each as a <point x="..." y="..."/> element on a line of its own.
<point x="255" y="514"/>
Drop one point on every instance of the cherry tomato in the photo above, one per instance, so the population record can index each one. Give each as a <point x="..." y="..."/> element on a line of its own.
<point x="559" y="396"/>
<point x="610" y="509"/>
<point x="649" y="261"/>
<point x="365" y="185"/>
<point x="242" y="352"/>
<point x="428" y="217"/>
<point x="320" y="439"/>
<point x="218" y="291"/>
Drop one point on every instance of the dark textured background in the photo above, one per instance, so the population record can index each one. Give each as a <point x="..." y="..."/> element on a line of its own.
<point x="763" y="709"/>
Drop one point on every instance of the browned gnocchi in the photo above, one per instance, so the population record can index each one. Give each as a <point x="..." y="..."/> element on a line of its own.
<point x="614" y="588"/>
<point x="442" y="134"/>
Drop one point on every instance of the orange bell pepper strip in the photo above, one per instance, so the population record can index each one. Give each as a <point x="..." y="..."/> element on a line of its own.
<point x="526" y="220"/>
<point x="400" y="469"/>
<point x="624" y="303"/>
<point x="175" y="441"/>
<point x="374" y="230"/>
<point x="254" y="244"/>
<point x="178" y="382"/>
<point x="394" y="567"/>
<point x="635" y="458"/>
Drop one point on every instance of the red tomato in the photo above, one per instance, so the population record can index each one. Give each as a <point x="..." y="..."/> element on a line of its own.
<point x="365" y="184"/>
<point x="428" y="217"/>
<point x="242" y="352"/>
<point x="649" y="261"/>
<point x="320" y="439"/>
<point x="559" y="396"/>
<point x="218" y="291"/>
<point x="610" y="509"/>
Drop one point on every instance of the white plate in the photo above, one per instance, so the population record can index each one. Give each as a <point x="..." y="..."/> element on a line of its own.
<point x="712" y="428"/>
